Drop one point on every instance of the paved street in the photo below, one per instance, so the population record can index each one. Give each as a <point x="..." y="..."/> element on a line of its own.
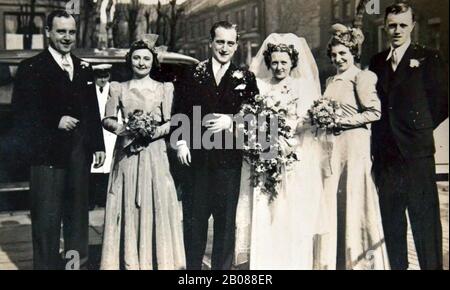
<point x="16" y="249"/>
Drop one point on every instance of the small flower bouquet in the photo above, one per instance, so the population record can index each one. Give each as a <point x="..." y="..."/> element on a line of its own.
<point x="325" y="114"/>
<point x="142" y="127"/>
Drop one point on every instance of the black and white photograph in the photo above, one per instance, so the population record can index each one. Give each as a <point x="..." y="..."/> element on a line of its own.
<point x="231" y="135"/>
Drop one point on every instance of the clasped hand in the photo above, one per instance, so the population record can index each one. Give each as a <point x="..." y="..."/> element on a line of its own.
<point x="220" y="123"/>
<point x="68" y="123"/>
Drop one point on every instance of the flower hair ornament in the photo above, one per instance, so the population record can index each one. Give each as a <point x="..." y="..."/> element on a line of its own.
<point x="150" y="40"/>
<point x="348" y="36"/>
<point x="281" y="47"/>
<point x="146" y="41"/>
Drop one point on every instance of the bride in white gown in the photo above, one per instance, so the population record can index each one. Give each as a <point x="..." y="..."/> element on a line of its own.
<point x="280" y="234"/>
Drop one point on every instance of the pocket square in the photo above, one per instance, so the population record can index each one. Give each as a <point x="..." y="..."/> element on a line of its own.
<point x="241" y="87"/>
<point x="90" y="83"/>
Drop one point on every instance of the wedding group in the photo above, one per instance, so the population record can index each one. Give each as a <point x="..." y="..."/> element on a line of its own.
<point x="352" y="159"/>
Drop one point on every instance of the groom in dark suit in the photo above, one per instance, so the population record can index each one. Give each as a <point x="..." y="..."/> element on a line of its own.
<point x="413" y="90"/>
<point x="212" y="175"/>
<point x="57" y="116"/>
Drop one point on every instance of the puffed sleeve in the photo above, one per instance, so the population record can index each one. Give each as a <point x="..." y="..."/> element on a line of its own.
<point x="113" y="105"/>
<point x="166" y="109"/>
<point x="370" y="105"/>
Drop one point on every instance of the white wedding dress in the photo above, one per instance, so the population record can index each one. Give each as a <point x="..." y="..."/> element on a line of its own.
<point x="280" y="234"/>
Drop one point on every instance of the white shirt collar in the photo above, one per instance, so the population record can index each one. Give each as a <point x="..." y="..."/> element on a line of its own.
<point x="105" y="89"/>
<point x="217" y="65"/>
<point x="349" y="74"/>
<point x="401" y="50"/>
<point x="57" y="56"/>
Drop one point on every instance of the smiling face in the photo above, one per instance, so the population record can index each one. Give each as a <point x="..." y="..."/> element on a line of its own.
<point x="141" y="63"/>
<point x="341" y="57"/>
<point x="62" y="35"/>
<point x="399" y="27"/>
<point x="224" y="45"/>
<point x="280" y="65"/>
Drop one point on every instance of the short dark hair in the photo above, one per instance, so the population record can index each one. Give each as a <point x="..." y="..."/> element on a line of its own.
<point x="399" y="8"/>
<point x="140" y="44"/>
<point x="54" y="14"/>
<point x="289" y="49"/>
<point x="223" y="24"/>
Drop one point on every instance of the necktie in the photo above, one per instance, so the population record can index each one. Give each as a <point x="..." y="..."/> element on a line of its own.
<point x="66" y="66"/>
<point x="101" y="89"/>
<point x="219" y="75"/>
<point x="394" y="60"/>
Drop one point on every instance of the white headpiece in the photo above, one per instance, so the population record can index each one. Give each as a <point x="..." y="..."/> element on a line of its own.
<point x="306" y="68"/>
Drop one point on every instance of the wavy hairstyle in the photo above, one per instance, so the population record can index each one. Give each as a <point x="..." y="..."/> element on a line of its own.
<point x="352" y="38"/>
<point x="289" y="49"/>
<point x="142" y="44"/>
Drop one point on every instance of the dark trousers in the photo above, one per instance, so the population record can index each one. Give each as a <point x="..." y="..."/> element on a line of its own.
<point x="211" y="192"/>
<point x="409" y="184"/>
<point x="98" y="187"/>
<point x="60" y="194"/>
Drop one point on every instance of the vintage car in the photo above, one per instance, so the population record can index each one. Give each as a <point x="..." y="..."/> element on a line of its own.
<point x="14" y="174"/>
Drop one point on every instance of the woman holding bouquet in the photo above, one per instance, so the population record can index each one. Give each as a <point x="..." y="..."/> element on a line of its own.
<point x="356" y="239"/>
<point x="277" y="223"/>
<point x="143" y="222"/>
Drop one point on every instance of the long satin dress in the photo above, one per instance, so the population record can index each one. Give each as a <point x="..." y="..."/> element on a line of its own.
<point x="143" y="221"/>
<point x="355" y="239"/>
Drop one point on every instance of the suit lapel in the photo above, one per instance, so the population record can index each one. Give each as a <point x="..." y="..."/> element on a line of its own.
<point x="76" y="68"/>
<point x="385" y="71"/>
<point x="225" y="87"/>
<point x="226" y="80"/>
<point x="53" y="69"/>
<point x="403" y="68"/>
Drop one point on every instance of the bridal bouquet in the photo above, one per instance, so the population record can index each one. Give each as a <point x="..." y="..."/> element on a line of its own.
<point x="268" y="158"/>
<point x="324" y="114"/>
<point x="142" y="126"/>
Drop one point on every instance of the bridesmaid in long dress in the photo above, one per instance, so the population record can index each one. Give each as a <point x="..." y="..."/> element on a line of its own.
<point x="143" y="222"/>
<point x="356" y="240"/>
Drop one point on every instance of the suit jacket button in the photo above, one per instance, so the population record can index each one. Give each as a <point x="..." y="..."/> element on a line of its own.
<point x="390" y="108"/>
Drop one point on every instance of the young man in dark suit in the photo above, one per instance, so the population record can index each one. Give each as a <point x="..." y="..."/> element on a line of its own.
<point x="57" y="116"/>
<point x="211" y="187"/>
<point x="413" y="88"/>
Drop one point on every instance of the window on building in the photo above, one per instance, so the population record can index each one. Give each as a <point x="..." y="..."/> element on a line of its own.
<point x="192" y="30"/>
<point x="237" y="18"/>
<point x="17" y="31"/>
<point x="347" y="9"/>
<point x="203" y="27"/>
<point x="227" y="17"/>
<point x="434" y="33"/>
<point x="336" y="9"/>
<point x="243" y="20"/>
<point x="255" y="16"/>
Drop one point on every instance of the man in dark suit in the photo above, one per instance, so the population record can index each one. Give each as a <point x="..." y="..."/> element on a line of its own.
<point x="57" y="116"/>
<point x="212" y="175"/>
<point x="413" y="88"/>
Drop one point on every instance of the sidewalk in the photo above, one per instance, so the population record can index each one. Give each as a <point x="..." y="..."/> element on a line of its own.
<point x="16" y="250"/>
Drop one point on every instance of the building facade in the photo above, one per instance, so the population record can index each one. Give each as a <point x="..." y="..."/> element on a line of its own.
<point x="200" y="15"/>
<point x="15" y="21"/>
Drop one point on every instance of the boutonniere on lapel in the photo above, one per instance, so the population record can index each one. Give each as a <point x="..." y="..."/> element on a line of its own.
<point x="201" y="73"/>
<point x="240" y="79"/>
<point x="416" y="63"/>
<point x="84" y="64"/>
